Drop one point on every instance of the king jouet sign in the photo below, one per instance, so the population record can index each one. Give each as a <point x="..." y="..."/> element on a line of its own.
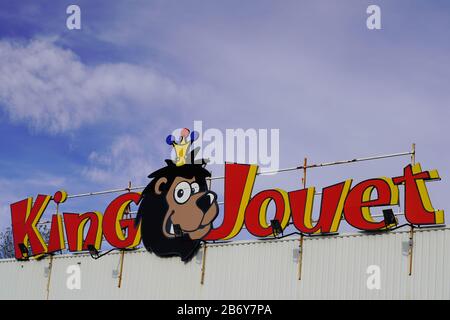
<point x="177" y="209"/>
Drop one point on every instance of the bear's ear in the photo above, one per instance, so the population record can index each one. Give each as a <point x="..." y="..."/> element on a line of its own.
<point x="170" y="163"/>
<point x="160" y="185"/>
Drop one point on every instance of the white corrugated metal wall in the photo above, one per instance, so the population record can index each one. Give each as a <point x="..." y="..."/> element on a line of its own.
<point x="333" y="267"/>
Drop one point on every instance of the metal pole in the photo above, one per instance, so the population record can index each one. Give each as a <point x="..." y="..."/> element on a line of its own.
<point x="411" y="231"/>
<point x="411" y="245"/>
<point x="300" y="257"/>
<point x="122" y="253"/>
<point x="300" y="247"/>
<point x="327" y="164"/>
<point x="122" y="257"/>
<point x="202" y="280"/>
<point x="50" y="265"/>
<point x="305" y="165"/>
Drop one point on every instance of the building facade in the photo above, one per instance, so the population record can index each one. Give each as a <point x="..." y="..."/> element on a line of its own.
<point x="351" y="266"/>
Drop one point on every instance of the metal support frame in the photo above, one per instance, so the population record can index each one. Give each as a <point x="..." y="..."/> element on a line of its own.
<point x="303" y="167"/>
<point x="270" y="172"/>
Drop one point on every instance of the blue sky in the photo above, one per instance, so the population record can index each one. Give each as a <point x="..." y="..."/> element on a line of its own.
<point x="89" y="109"/>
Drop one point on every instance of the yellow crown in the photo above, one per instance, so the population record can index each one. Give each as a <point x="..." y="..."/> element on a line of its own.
<point x="182" y="146"/>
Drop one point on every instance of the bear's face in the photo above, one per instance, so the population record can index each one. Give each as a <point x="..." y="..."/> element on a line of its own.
<point x="176" y="210"/>
<point x="190" y="206"/>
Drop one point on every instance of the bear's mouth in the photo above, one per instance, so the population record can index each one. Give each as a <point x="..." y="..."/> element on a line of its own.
<point x="172" y="229"/>
<point x="169" y="226"/>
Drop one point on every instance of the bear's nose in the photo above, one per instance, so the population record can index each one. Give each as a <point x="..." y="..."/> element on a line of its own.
<point x="206" y="200"/>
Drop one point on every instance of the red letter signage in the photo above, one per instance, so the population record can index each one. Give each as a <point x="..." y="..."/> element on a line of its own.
<point x="113" y="224"/>
<point x="359" y="201"/>
<point x="418" y="207"/>
<point x="25" y="216"/>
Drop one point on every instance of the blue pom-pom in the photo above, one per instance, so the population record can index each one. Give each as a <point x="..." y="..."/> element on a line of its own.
<point x="194" y="136"/>
<point x="170" y="139"/>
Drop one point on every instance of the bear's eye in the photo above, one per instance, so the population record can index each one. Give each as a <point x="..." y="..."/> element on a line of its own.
<point x="182" y="192"/>
<point x="195" y="187"/>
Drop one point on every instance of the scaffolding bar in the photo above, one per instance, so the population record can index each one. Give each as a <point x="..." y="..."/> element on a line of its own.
<point x="270" y="172"/>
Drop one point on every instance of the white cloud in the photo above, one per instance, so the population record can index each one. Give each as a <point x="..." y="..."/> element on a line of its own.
<point x="126" y="159"/>
<point x="16" y="189"/>
<point x="50" y="89"/>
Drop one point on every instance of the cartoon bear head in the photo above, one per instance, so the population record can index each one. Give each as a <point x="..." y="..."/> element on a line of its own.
<point x="177" y="210"/>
